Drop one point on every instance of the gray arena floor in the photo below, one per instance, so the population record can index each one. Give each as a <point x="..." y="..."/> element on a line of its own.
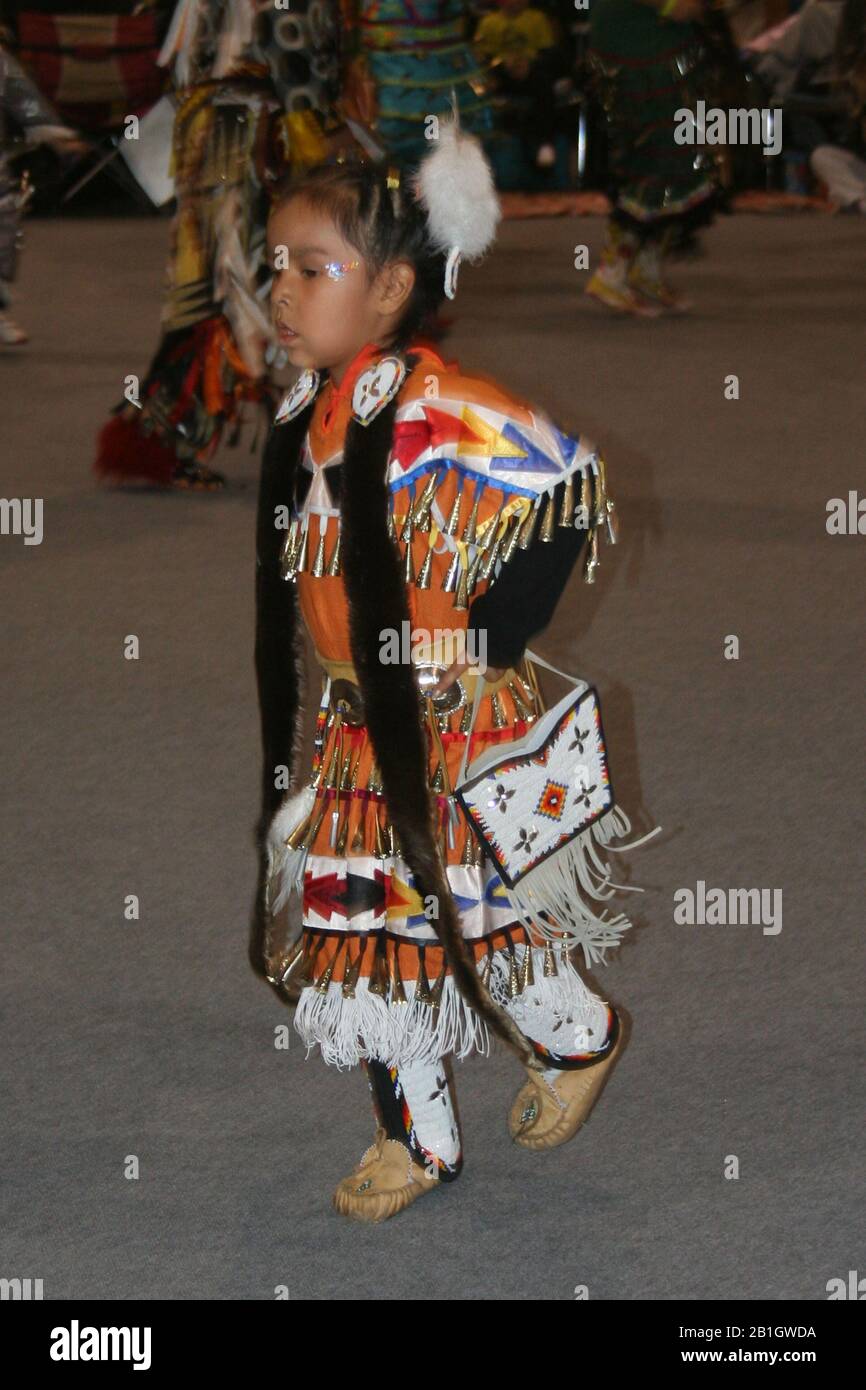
<point x="154" y="1038"/>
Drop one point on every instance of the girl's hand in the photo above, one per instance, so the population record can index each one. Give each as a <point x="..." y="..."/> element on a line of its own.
<point x="493" y="673"/>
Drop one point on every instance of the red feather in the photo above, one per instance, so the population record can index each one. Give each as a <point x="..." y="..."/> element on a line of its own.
<point x="123" y="452"/>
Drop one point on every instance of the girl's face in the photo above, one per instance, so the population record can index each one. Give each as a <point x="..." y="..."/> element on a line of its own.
<point x="323" y="304"/>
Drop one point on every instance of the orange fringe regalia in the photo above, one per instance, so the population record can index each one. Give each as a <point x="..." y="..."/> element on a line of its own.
<point x="390" y="510"/>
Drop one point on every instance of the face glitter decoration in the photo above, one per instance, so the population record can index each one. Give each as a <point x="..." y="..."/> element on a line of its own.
<point x="336" y="270"/>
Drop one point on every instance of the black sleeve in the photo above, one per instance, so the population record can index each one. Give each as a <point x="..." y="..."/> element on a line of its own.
<point x="521" y="600"/>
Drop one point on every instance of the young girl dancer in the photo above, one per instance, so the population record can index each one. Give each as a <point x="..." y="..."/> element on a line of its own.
<point x="399" y="496"/>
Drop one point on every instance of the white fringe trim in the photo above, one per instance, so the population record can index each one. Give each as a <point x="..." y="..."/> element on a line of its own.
<point x="558" y="1011"/>
<point x="367" y="1026"/>
<point x="556" y="885"/>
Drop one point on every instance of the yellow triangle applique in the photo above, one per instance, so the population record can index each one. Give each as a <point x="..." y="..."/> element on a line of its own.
<point x="403" y="901"/>
<point x="480" y="440"/>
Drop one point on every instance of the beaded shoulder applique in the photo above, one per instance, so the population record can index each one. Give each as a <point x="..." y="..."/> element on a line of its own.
<point x="377" y="386"/>
<point x="298" y="397"/>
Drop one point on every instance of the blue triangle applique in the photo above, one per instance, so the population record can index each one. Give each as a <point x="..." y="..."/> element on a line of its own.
<point x="536" y="460"/>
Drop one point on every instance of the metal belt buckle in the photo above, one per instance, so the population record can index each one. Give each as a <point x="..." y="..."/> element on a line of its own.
<point x="347" y="702"/>
<point x="454" y="698"/>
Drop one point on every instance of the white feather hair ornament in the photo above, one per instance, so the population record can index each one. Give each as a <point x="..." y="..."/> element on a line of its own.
<point x="455" y="185"/>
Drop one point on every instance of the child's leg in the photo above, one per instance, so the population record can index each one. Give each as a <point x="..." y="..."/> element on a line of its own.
<point x="415" y="1104"/>
<point x="577" y="1033"/>
<point x="417" y="1142"/>
<point x="611" y="282"/>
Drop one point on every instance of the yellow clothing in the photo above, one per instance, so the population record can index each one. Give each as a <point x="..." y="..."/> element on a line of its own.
<point x="523" y="35"/>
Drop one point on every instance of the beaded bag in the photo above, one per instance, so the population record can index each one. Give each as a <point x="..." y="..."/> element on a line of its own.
<point x="543" y="810"/>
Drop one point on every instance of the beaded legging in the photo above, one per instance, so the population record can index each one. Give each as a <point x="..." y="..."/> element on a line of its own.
<point x="415" y="1103"/>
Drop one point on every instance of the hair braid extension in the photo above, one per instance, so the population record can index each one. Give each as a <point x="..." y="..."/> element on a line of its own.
<point x="278" y="655"/>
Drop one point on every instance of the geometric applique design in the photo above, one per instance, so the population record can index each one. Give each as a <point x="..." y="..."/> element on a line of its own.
<point x="403" y="900"/>
<point x="567" y="444"/>
<point x="481" y="440"/>
<point x="523" y="456"/>
<point x="442" y="427"/>
<point x="330" y="895"/>
<point x="409" y="441"/>
<point x="365" y="894"/>
<point x="334" y="481"/>
<point x="552" y="800"/>
<point x="485" y="441"/>
<point x="542" y="790"/>
<point x="494" y="893"/>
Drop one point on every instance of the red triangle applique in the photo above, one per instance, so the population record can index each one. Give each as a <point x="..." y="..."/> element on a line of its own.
<point x="410" y="438"/>
<point x="444" y="428"/>
<point x="324" y="895"/>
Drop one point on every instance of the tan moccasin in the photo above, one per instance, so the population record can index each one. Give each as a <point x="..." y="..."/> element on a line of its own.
<point x="546" y="1114"/>
<point x="386" y="1180"/>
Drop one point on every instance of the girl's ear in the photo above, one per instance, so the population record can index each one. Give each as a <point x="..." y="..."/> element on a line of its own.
<point x="395" y="284"/>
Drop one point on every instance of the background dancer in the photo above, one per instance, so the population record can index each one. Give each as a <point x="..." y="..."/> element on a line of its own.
<point x="22" y="105"/>
<point x="415" y="55"/>
<point x="650" y="58"/>
<point x="253" y="87"/>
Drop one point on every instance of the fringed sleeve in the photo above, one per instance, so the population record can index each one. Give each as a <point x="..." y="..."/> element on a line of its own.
<point x="507" y="498"/>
